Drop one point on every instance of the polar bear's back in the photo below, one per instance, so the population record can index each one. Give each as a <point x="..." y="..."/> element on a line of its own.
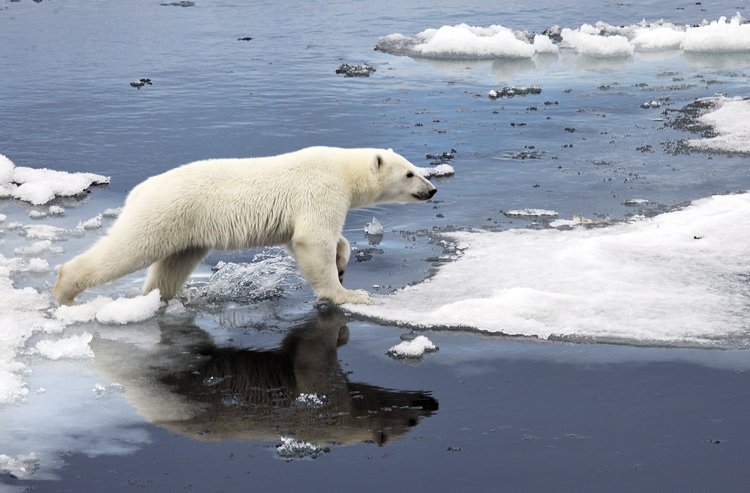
<point x="236" y="203"/>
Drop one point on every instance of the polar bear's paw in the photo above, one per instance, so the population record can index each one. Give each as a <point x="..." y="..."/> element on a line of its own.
<point x="340" y="297"/>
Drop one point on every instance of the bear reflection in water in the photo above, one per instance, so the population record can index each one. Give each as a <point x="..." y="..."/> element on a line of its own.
<point x="190" y="386"/>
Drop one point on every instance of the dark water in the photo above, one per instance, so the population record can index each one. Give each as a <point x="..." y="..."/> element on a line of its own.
<point x="493" y="413"/>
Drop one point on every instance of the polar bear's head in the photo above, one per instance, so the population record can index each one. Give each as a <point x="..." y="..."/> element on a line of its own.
<point x="399" y="180"/>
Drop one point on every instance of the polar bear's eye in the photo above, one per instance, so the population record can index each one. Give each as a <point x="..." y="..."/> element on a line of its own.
<point x="410" y="175"/>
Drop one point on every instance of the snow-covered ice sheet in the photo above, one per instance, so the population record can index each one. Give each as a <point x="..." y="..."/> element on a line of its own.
<point x="679" y="278"/>
<point x="731" y="122"/>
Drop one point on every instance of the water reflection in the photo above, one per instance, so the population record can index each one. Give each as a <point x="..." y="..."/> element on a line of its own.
<point x="190" y="386"/>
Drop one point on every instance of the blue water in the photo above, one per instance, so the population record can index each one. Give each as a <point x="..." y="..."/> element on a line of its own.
<point x="66" y="103"/>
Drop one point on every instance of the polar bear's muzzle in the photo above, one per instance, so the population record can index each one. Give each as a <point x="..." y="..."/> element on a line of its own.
<point x="425" y="195"/>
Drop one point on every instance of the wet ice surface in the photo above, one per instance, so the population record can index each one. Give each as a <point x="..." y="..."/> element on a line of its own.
<point x="587" y="148"/>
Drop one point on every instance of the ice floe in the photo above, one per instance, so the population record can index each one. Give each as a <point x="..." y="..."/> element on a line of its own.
<point x="439" y="170"/>
<point x="75" y="346"/>
<point x="730" y="120"/>
<point x="416" y="348"/>
<point x="463" y="41"/>
<point x="40" y="185"/>
<point x="678" y="278"/>
<point x="599" y="40"/>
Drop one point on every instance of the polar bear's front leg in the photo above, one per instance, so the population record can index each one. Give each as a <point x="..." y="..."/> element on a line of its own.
<point x="317" y="261"/>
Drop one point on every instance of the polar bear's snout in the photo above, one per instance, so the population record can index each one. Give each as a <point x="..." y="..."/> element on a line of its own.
<point x="425" y="195"/>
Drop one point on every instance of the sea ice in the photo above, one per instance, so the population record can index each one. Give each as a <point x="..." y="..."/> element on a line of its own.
<point x="530" y="213"/>
<point x="731" y="121"/>
<point x="374" y="227"/>
<point x="463" y="42"/>
<point x="587" y="41"/>
<point x="677" y="278"/>
<point x="415" y="348"/>
<point x="129" y="310"/>
<point x="89" y="224"/>
<point x="39" y="186"/>
<point x="719" y="36"/>
<point x="439" y="170"/>
<point x="75" y="346"/>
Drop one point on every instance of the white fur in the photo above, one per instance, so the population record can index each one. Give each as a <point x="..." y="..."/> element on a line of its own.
<point x="300" y="199"/>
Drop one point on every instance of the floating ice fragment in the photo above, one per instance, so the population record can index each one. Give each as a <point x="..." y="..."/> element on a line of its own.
<point x="73" y="347"/>
<point x="415" y="348"/>
<point x="85" y="312"/>
<point x="374" y="227"/>
<point x="530" y="213"/>
<point x="112" y="212"/>
<point x="719" y="36"/>
<point x="128" y="310"/>
<point x="37" y="247"/>
<point x="56" y="210"/>
<point x="587" y="41"/>
<point x="650" y="104"/>
<point x="93" y="223"/>
<point x="462" y="42"/>
<point x="41" y="231"/>
<point x="439" y="170"/>
<point x="509" y="92"/>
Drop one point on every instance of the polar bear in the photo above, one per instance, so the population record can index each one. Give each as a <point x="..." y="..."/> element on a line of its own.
<point x="299" y="199"/>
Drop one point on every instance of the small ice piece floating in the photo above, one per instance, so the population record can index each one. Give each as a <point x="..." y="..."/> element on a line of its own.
<point x="530" y="213"/>
<point x="73" y="347"/>
<point x="650" y="104"/>
<point x="509" y="92"/>
<point x="361" y="70"/>
<point x="439" y="170"/>
<point x="374" y="228"/>
<point x="416" y="348"/>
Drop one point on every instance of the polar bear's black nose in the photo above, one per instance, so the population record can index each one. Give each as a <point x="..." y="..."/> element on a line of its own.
<point x="433" y="192"/>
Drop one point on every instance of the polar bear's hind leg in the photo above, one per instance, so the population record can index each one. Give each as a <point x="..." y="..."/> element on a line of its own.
<point x="169" y="274"/>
